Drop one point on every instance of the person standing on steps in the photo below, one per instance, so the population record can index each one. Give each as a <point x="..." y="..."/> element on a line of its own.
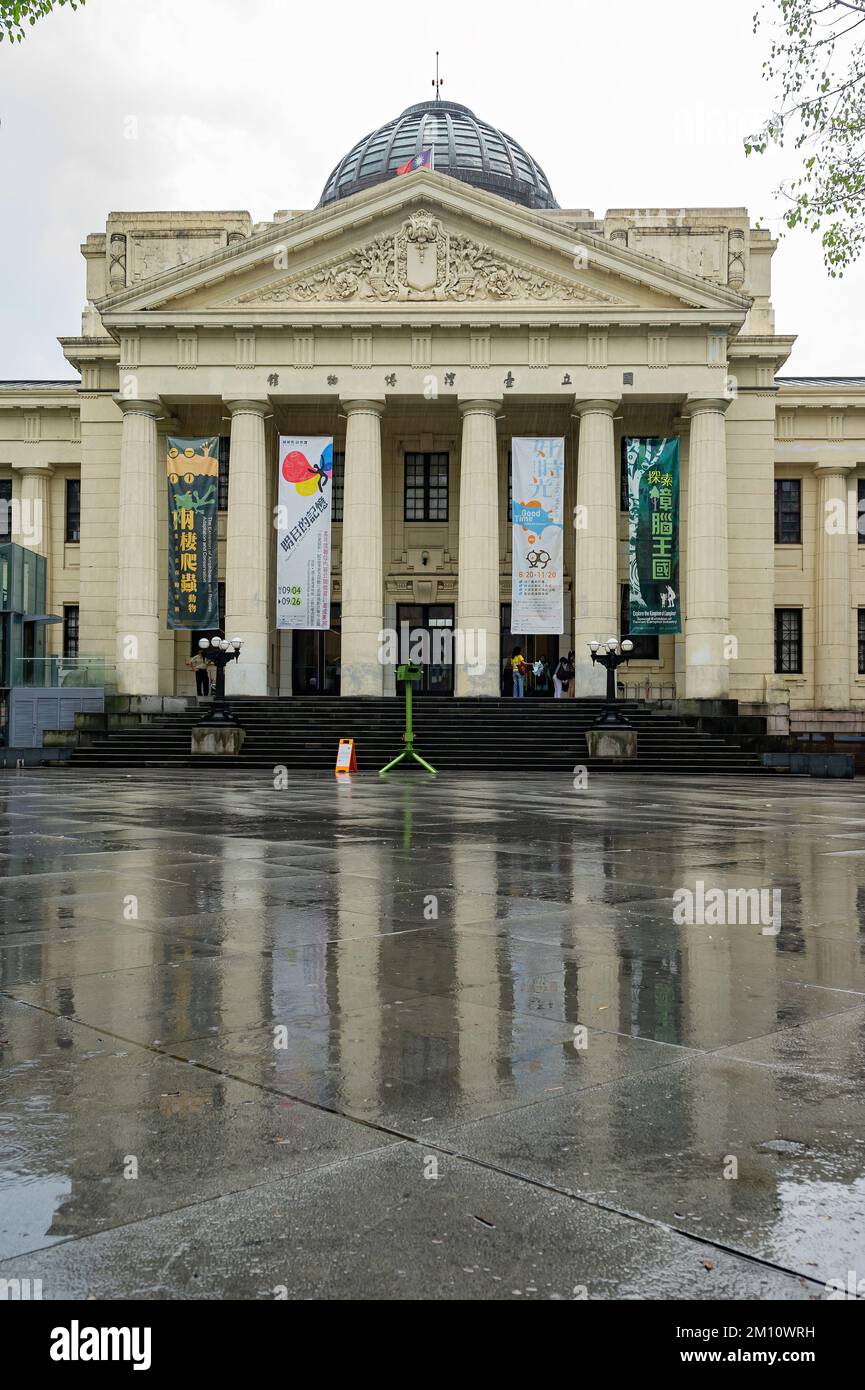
<point x="560" y="677"/>
<point x="198" y="664"/>
<point x="518" y="666"/>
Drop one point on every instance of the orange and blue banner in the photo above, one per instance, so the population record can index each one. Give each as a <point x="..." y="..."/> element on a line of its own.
<point x="537" y="522"/>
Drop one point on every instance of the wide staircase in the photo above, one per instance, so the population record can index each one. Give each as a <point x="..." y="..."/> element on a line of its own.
<point x="504" y="736"/>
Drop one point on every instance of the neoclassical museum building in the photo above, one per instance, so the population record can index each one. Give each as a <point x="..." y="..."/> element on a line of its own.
<point x="424" y="320"/>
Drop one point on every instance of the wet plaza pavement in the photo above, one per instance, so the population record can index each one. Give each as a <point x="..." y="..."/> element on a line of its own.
<point x="415" y="1039"/>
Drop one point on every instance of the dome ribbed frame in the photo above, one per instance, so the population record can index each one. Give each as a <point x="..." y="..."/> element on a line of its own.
<point x="465" y="148"/>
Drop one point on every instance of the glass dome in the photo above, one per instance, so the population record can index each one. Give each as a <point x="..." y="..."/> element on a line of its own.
<point x="465" y="148"/>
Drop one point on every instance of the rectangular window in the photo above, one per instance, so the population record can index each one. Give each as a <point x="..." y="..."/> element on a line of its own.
<point x="338" y="485"/>
<point x="224" y="452"/>
<point x="426" y="487"/>
<point x="861" y="616"/>
<point x="788" y="641"/>
<point x="645" y="648"/>
<point x="860" y="510"/>
<point x="73" y="511"/>
<point x="5" y="509"/>
<point x="70" y="629"/>
<point x="788" y="511"/>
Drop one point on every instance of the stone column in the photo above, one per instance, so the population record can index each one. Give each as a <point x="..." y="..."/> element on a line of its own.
<point x="34" y="514"/>
<point x="361" y="670"/>
<point x="137" y="610"/>
<point x="707" y="671"/>
<point x="476" y="657"/>
<point x="248" y="537"/>
<point x="596" y="585"/>
<point x="832" y="635"/>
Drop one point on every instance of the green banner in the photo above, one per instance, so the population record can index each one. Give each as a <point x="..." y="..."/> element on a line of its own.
<point x="192" y="466"/>
<point x="653" y="536"/>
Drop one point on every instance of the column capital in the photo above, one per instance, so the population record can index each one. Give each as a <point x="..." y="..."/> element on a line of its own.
<point x="248" y="405"/>
<point x="479" y="405"/>
<point x="595" y="407"/>
<point x="824" y="468"/>
<point x="33" y="469"/>
<point x="706" y="405"/>
<point x="369" y="405"/>
<point x="133" y="405"/>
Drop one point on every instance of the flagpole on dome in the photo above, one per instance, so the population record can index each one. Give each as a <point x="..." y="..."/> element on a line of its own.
<point x="439" y="81"/>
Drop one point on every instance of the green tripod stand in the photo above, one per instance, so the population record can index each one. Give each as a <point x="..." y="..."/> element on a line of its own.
<point x="409" y="675"/>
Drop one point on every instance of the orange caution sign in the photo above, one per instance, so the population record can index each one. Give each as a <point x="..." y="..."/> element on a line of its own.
<point x="346" y="761"/>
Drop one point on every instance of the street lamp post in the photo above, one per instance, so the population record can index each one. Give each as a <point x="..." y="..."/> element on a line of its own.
<point x="608" y="655"/>
<point x="220" y="651"/>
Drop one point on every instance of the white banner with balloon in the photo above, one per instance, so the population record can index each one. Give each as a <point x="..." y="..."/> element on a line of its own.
<point x="303" y="528"/>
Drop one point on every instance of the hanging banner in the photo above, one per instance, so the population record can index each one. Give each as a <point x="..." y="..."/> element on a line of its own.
<point x="537" y="534"/>
<point x="303" y="547"/>
<point x="192" y="466"/>
<point x="653" y="536"/>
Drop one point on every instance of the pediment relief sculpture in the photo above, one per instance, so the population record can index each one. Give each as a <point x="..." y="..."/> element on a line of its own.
<point x="424" y="262"/>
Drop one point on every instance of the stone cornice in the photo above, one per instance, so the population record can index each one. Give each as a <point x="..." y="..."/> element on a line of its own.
<point x="12" y="397"/>
<point x="423" y="316"/>
<point x="775" y="348"/>
<point x="821" y="397"/>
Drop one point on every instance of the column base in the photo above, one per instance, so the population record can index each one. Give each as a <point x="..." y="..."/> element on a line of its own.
<point x="477" y="663"/>
<point x="361" y="668"/>
<point x="707" y="673"/>
<point x="590" y="680"/>
<point x="136" y="661"/>
<point x="361" y="679"/>
<point x="248" y="676"/>
<point x="469" y="684"/>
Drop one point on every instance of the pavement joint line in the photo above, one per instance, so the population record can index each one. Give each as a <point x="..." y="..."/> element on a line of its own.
<point x="831" y="989"/>
<point x="376" y="1127"/>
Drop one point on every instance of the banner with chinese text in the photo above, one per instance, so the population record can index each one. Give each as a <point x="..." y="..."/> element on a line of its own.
<point x="303" y="546"/>
<point x="653" y="536"/>
<point x="192" y="466"/>
<point x="537" y="530"/>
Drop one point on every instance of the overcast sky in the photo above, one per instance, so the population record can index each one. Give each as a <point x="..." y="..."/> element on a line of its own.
<point x="249" y="106"/>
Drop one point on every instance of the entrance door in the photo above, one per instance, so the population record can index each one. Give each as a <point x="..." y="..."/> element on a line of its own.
<point x="429" y="627"/>
<point x="315" y="658"/>
<point x="535" y="646"/>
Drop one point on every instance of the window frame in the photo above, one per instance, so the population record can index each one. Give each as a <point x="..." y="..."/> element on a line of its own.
<point x="68" y="626"/>
<point x="782" y="513"/>
<point x="224" y="452"/>
<point x="781" y="640"/>
<point x="337" y="487"/>
<point x="6" y="498"/>
<point x="410" y="457"/>
<point x="71" y="533"/>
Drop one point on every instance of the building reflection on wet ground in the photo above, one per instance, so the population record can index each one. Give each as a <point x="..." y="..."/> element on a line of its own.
<point x="428" y="1040"/>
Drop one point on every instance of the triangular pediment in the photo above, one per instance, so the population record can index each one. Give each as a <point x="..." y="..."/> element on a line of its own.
<point x="425" y="240"/>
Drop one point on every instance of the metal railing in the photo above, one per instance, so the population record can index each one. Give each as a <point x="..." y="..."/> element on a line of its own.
<point x="658" y="692"/>
<point x="53" y="672"/>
